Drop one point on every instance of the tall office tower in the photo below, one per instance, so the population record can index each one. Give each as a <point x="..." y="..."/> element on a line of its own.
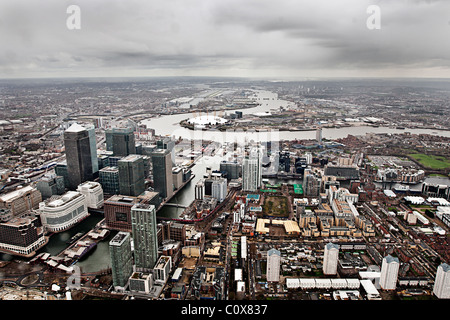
<point x="162" y="172"/>
<point x="330" y="259"/>
<point x="251" y="171"/>
<point x="442" y="282"/>
<point x="109" y="179"/>
<point x="145" y="236"/>
<point x="50" y="185"/>
<point x="169" y="144"/>
<point x="61" y="170"/>
<point x="90" y="128"/>
<point x="319" y="135"/>
<point x="121" y="141"/>
<point x="131" y="175"/>
<point x="121" y="259"/>
<point x="389" y="273"/>
<point x="231" y="168"/>
<point x="273" y="265"/>
<point x="78" y="155"/>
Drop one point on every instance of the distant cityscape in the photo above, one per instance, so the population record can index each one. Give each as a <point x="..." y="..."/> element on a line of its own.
<point x="203" y="188"/>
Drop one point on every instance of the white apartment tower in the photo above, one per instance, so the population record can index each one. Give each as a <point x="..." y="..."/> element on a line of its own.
<point x="200" y="190"/>
<point x="219" y="189"/>
<point x="273" y="265"/>
<point x="145" y="236"/>
<point x="330" y="259"/>
<point x="389" y="273"/>
<point x="252" y="171"/>
<point x="442" y="282"/>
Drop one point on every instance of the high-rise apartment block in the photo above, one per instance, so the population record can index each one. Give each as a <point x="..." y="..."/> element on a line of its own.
<point x="311" y="183"/>
<point x="330" y="259"/>
<point x="145" y="236"/>
<point x="121" y="259"/>
<point x="219" y="189"/>
<point x="389" y="273"/>
<point x="251" y="171"/>
<point x="273" y="265"/>
<point x="442" y="282"/>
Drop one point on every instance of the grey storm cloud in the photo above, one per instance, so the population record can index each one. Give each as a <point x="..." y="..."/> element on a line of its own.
<point x="229" y="37"/>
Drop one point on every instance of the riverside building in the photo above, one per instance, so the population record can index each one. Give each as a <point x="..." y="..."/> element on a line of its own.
<point x="60" y="213"/>
<point x="121" y="260"/>
<point x="93" y="192"/>
<point x="21" y="235"/>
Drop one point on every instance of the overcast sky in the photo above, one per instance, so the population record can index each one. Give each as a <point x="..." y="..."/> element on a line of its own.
<point x="248" y="38"/>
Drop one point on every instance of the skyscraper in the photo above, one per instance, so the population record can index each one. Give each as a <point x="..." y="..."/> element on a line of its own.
<point x="319" y="135"/>
<point x="273" y="265"/>
<point x="109" y="179"/>
<point x="78" y="155"/>
<point x="50" y="184"/>
<point x="145" y="237"/>
<point x="442" y="282"/>
<point x="251" y="171"/>
<point x="90" y="128"/>
<point x="121" y="141"/>
<point x="121" y="259"/>
<point x="162" y="172"/>
<point x="330" y="259"/>
<point x="389" y="273"/>
<point x="232" y="169"/>
<point x="131" y="175"/>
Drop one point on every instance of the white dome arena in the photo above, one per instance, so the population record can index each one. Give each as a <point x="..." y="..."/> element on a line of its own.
<point x="207" y="120"/>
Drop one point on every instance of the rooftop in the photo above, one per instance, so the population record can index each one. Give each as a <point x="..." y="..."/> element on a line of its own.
<point x="119" y="238"/>
<point x="16" y="193"/>
<point x="75" y="128"/>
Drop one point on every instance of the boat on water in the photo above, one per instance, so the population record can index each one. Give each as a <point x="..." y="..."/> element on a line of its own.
<point x="91" y="247"/>
<point x="75" y="238"/>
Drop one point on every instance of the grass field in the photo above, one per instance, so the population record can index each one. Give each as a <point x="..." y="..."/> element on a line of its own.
<point x="432" y="162"/>
<point x="275" y="206"/>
